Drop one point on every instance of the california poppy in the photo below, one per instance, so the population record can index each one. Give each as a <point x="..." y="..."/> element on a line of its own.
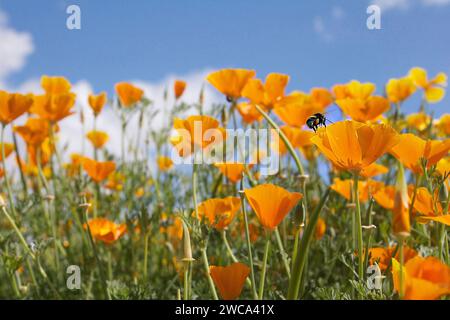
<point x="9" y="148"/>
<point x="295" y="108"/>
<point x="97" y="102"/>
<point x="352" y="146"/>
<point x="443" y="125"/>
<point x="217" y="212"/>
<point x="97" y="138"/>
<point x="105" y="230"/>
<point x="98" y="171"/>
<point x="55" y="85"/>
<point x="34" y="132"/>
<point x="128" y="94"/>
<point x="364" y="110"/>
<point x="398" y="90"/>
<point x="230" y="82"/>
<point x="382" y="256"/>
<point x="434" y="88"/>
<point x="13" y="105"/>
<point x="267" y="94"/>
<point x="411" y="149"/>
<point x="233" y="171"/>
<point x="164" y="163"/>
<point x="172" y="227"/>
<point x="354" y="90"/>
<point x="230" y="280"/>
<point x="178" y="88"/>
<point x="365" y="188"/>
<point x="423" y="278"/>
<point x="271" y="203"/>
<point x="418" y="121"/>
<point x="373" y="170"/>
<point x="53" y="107"/>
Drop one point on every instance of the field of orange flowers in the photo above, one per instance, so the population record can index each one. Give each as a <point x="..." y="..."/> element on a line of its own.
<point x="357" y="209"/>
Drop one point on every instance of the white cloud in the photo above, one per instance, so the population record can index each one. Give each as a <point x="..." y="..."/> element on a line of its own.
<point x="15" y="47"/>
<point x="337" y="13"/>
<point x="320" y="29"/>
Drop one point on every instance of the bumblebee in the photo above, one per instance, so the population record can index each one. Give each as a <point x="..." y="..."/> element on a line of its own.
<point x="316" y="120"/>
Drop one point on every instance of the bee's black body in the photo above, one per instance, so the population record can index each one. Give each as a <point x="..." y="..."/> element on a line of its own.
<point x="315" y="121"/>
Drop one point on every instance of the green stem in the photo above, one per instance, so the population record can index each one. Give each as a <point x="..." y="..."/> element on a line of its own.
<point x="283" y="253"/>
<point x="210" y="280"/>
<point x="358" y="225"/>
<point x="5" y="174"/>
<point x="262" y="278"/>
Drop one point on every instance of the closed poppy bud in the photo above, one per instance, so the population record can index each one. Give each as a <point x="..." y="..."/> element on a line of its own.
<point x="187" y="249"/>
<point x="13" y="105"/>
<point x="401" y="220"/>
<point x="97" y="102"/>
<point x="128" y="94"/>
<point x="271" y="203"/>
<point x="230" y="280"/>
<point x="178" y="88"/>
<point x="97" y="138"/>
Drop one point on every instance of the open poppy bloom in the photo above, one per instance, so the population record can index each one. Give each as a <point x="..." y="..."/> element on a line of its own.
<point x="34" y="132"/>
<point x="365" y="188"/>
<point x="443" y="125"/>
<point x="97" y="102"/>
<point x="321" y="97"/>
<point x="233" y="171"/>
<point x="105" y="230"/>
<point x="9" y="147"/>
<point x="434" y="88"/>
<point x="97" y="138"/>
<point x="373" y="170"/>
<point x="230" y="82"/>
<point x="354" y="90"/>
<point x="164" y="163"/>
<point x="411" y="149"/>
<point x="13" y="105"/>
<point x="218" y="213"/>
<point x="53" y="107"/>
<point x="98" y="171"/>
<point x="364" y="110"/>
<point x="398" y="90"/>
<point x="178" y="88"/>
<point x="295" y="108"/>
<point x="128" y="94"/>
<point x="271" y="203"/>
<point x="268" y="94"/>
<point x="352" y="146"/>
<point x="419" y="121"/>
<point x="423" y="278"/>
<point x="55" y="85"/>
<point x="382" y="256"/>
<point x="196" y="131"/>
<point x="230" y="280"/>
<point x="248" y="112"/>
<point x="320" y="229"/>
<point x="297" y="137"/>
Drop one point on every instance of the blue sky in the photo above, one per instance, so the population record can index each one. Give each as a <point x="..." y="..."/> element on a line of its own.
<point x="318" y="43"/>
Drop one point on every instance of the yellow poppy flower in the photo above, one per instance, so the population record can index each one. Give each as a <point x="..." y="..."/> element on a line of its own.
<point x="115" y="181"/>
<point x="229" y="280"/>
<point x="352" y="146"/>
<point x="271" y="203"/>
<point x="443" y="125"/>
<point x="364" y="110"/>
<point x="230" y="82"/>
<point x="398" y="90"/>
<point x="434" y="88"/>
<point x="419" y="121"/>
<point x="97" y="138"/>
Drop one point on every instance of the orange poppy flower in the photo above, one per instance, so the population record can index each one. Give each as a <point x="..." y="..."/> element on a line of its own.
<point x="352" y="146"/>
<point x="434" y="88"/>
<point x="411" y="149"/>
<point x="55" y="85"/>
<point x="321" y="97"/>
<point x="270" y="93"/>
<point x="98" y="171"/>
<point x="230" y="280"/>
<point x="233" y="171"/>
<point x="9" y="148"/>
<point x="230" y="82"/>
<point x="364" y="110"/>
<point x="115" y="181"/>
<point x="365" y="188"/>
<point x="398" y="90"/>
<point x="419" y="121"/>
<point x="73" y="168"/>
<point x="219" y="212"/>
<point x="178" y="88"/>
<point x="384" y="196"/>
<point x="373" y="170"/>
<point x="105" y="230"/>
<point x="97" y="138"/>
<point x="271" y="203"/>
<point x="321" y="227"/>
<point x="353" y="89"/>
<point x="297" y="137"/>
<point x="443" y="167"/>
<point x="423" y="278"/>
<point x="444" y="219"/>
<point x="248" y="112"/>
<point x="97" y="102"/>
<point x="296" y="108"/>
<point x="382" y="256"/>
<point x="46" y="150"/>
<point x="200" y="131"/>
<point x="443" y="125"/>
<point x="53" y="107"/>
<point x="164" y="163"/>
<point x="13" y="105"/>
<point x="34" y="132"/>
<point x="426" y="204"/>
<point x="128" y="94"/>
<point x="139" y="193"/>
<point x="172" y="227"/>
